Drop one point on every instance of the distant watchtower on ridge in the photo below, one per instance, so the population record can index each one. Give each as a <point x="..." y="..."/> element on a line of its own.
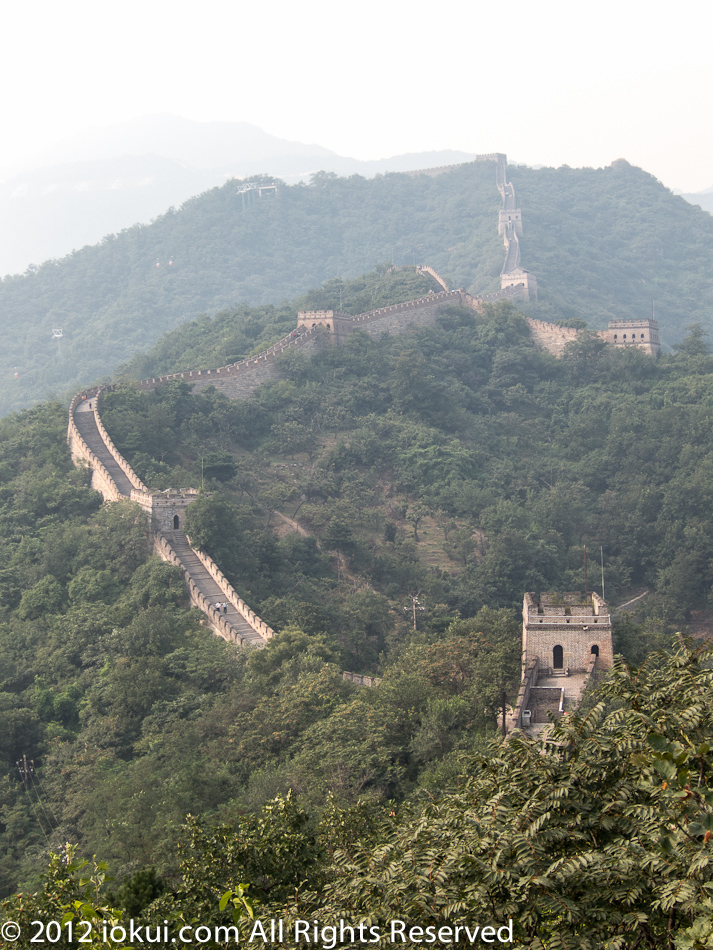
<point x="513" y="277"/>
<point x="639" y="334"/>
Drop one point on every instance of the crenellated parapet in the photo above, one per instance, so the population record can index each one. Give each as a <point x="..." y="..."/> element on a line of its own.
<point x="633" y="334"/>
<point x="137" y="485"/>
<point x="427" y="269"/>
<point x="81" y="453"/>
<point x="550" y="336"/>
<point x="259" y="626"/>
<point x="298" y="338"/>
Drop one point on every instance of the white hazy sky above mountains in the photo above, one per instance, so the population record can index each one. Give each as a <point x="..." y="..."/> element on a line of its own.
<point x="548" y="83"/>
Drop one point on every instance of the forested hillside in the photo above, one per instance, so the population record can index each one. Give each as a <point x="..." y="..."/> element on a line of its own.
<point x="457" y="465"/>
<point x="606" y="243"/>
<point x="461" y="461"/>
<point x="602" y="243"/>
<point x="112" y="300"/>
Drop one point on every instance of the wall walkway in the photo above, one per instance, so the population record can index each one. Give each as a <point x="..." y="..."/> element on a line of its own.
<point x="112" y="475"/>
<point x="512" y="276"/>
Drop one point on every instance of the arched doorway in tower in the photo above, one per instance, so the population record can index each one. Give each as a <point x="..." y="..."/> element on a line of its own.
<point x="595" y="649"/>
<point x="176" y="523"/>
<point x="557" y="657"/>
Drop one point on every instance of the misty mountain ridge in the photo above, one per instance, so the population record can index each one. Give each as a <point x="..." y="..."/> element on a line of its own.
<point x="704" y="199"/>
<point x="112" y="301"/>
<point x="104" y="180"/>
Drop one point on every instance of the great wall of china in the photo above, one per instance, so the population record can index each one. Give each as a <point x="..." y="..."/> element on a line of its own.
<point x="111" y="474"/>
<point x="91" y="445"/>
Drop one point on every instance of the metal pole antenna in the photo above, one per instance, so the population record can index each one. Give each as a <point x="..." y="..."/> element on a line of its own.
<point x="601" y="550"/>
<point x="586" y="591"/>
<point x="26" y="769"/>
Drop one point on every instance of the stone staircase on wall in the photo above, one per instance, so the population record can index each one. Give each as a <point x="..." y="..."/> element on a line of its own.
<point x="512" y="276"/>
<point x="512" y="254"/>
<point x="205" y="584"/>
<point x="86" y="423"/>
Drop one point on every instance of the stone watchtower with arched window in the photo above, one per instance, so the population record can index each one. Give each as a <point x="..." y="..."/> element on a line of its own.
<point x="565" y="638"/>
<point x="563" y="631"/>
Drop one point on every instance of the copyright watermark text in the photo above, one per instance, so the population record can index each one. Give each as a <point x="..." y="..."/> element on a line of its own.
<point x="257" y="932"/>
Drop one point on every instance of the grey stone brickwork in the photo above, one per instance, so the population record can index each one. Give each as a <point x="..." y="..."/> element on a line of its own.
<point x="562" y="633"/>
<point x="565" y="638"/>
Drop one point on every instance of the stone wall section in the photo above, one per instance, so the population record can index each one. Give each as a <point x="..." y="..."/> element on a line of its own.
<point x="161" y="508"/>
<point x="296" y="339"/>
<point x="513" y="277"/>
<point x="258" y="625"/>
<point x="529" y="679"/>
<point x="219" y="625"/>
<point x="138" y="485"/>
<point x="399" y="318"/>
<point x="426" y="269"/>
<point x="81" y="454"/>
<point x="551" y="337"/>
<point x="432" y="172"/>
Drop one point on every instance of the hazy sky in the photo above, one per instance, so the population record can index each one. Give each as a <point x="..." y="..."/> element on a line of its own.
<point x="549" y="83"/>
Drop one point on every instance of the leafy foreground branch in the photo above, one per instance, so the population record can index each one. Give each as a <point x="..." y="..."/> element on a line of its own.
<point x="600" y="837"/>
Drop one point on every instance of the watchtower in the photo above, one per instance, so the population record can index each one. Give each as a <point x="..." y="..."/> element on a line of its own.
<point x="166" y="509"/>
<point x="510" y="218"/>
<point x="641" y="334"/>
<point x="563" y="631"/>
<point x="337" y="323"/>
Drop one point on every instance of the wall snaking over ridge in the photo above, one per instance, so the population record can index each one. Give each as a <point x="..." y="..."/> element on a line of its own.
<point x="90" y="444"/>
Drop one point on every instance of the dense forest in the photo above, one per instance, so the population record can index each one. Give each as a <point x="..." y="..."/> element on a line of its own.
<point x="461" y="460"/>
<point x="603" y="243"/>
<point x="600" y="840"/>
<point x="383" y="507"/>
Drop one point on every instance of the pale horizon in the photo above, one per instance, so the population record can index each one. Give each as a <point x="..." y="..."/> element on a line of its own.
<point x="548" y="85"/>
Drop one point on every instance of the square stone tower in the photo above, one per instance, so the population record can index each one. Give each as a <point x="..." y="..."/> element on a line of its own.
<point x="166" y="509"/>
<point x="563" y="631"/>
<point x="641" y="334"/>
